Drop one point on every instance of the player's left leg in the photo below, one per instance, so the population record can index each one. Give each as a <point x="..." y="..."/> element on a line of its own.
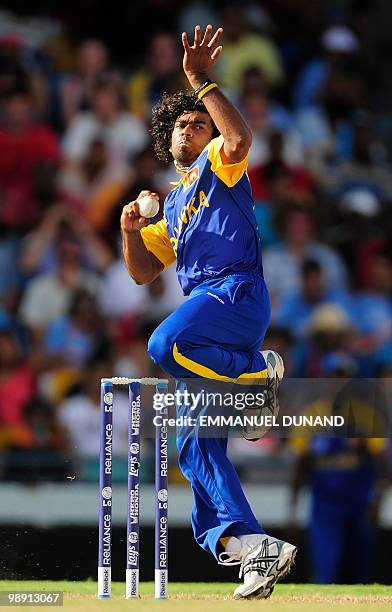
<point x="220" y="507"/>
<point x="223" y="522"/>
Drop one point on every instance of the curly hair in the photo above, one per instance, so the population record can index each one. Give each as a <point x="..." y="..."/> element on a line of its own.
<point x="164" y="116"/>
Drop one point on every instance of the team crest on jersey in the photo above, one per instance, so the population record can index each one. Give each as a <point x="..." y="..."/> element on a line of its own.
<point x="190" y="177"/>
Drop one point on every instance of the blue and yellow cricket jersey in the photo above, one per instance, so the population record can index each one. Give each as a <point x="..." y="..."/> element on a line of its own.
<point x="209" y="224"/>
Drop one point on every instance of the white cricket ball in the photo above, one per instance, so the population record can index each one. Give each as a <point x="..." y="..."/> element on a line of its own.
<point x="148" y="207"/>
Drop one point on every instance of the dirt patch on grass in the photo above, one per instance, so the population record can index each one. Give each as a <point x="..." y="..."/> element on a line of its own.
<point x="374" y="599"/>
<point x="325" y="599"/>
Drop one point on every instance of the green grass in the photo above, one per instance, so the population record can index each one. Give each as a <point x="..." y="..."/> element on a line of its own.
<point x="215" y="597"/>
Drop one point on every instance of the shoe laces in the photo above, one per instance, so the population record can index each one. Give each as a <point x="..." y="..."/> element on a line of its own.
<point x="232" y="558"/>
<point x="244" y="561"/>
<point x="229" y="558"/>
<point x="255" y="564"/>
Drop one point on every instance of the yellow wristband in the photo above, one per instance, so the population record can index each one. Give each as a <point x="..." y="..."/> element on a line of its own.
<point x="206" y="90"/>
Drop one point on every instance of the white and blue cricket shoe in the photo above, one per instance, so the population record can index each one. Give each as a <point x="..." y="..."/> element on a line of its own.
<point x="263" y="561"/>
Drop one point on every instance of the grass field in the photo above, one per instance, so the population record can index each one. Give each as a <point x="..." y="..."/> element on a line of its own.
<point x="215" y="597"/>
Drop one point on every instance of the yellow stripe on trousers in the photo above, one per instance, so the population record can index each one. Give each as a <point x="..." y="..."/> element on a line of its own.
<point x="204" y="372"/>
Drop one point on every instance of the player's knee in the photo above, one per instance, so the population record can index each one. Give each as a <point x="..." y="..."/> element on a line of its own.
<point x="160" y="347"/>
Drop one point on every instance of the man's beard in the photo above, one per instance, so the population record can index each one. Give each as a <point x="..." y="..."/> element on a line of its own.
<point x="180" y="167"/>
<point x="182" y="160"/>
<point x="185" y="158"/>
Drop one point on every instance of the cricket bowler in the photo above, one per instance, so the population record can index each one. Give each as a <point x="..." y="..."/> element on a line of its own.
<point x="209" y="230"/>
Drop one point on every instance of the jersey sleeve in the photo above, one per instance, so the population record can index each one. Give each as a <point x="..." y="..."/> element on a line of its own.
<point x="230" y="174"/>
<point x="156" y="240"/>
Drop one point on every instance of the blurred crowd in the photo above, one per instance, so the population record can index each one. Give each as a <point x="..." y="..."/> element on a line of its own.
<point x="311" y="79"/>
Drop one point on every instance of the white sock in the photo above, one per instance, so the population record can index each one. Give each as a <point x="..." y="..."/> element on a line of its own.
<point x="234" y="545"/>
<point x="250" y="539"/>
<point x="240" y="544"/>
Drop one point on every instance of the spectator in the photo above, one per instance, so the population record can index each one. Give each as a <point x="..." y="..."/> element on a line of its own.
<point x="131" y="299"/>
<point x="297" y="309"/>
<point x="37" y="451"/>
<point x="277" y="182"/>
<point x="300" y="183"/>
<point x="145" y="174"/>
<point x="92" y="188"/>
<point x="161" y="73"/>
<point x="325" y="128"/>
<point x="131" y="338"/>
<point x="17" y="380"/>
<point x="366" y="169"/>
<point x="329" y="330"/>
<point x="282" y="262"/>
<point x="372" y="308"/>
<point x="73" y="91"/>
<point x="47" y="297"/>
<point x="12" y="72"/>
<point x="354" y="229"/>
<point x="340" y="46"/>
<point x="198" y="11"/>
<point x="41" y="419"/>
<point x="27" y="149"/>
<point x="136" y="311"/>
<point x="264" y="117"/>
<point x="41" y="254"/>
<point x="74" y="338"/>
<point x="123" y="134"/>
<point x="79" y="414"/>
<point x="253" y="82"/>
<point x="19" y="67"/>
<point x="244" y="49"/>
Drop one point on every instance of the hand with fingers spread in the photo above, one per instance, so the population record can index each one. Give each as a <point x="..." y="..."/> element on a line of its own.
<point x="131" y="220"/>
<point x="200" y="58"/>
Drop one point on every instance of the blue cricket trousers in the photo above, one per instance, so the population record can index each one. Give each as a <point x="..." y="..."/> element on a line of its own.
<point x="216" y="334"/>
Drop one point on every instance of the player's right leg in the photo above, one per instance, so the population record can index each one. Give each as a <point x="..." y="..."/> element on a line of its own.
<point x="216" y="334"/>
